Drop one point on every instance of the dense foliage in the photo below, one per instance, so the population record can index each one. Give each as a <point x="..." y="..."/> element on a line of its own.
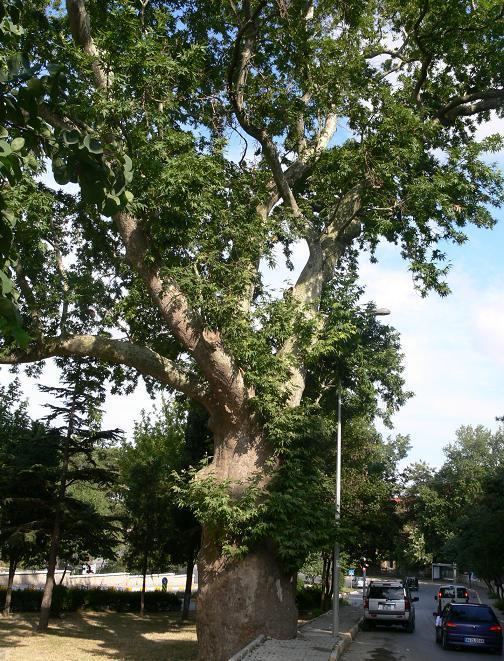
<point x="204" y="140"/>
<point x="456" y="510"/>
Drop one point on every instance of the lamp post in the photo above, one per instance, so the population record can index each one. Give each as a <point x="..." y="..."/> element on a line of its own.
<point x="377" y="312"/>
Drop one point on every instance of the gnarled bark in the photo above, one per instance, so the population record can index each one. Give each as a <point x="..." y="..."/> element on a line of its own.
<point x="241" y="599"/>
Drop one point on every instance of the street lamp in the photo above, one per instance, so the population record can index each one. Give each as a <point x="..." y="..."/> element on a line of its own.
<point x="375" y="312"/>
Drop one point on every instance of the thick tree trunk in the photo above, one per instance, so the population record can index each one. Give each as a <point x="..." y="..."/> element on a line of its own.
<point x="45" y="608"/>
<point x="188" y="587"/>
<point x="239" y="600"/>
<point x="10" y="581"/>
<point x="142" y="593"/>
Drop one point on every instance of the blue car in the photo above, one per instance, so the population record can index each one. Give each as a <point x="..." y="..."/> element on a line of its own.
<point x="469" y="625"/>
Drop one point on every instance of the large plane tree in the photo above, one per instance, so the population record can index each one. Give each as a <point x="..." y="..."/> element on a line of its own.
<point x="203" y="135"/>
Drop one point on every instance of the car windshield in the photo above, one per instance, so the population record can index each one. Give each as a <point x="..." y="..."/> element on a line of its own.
<point x="384" y="592"/>
<point x="471" y="614"/>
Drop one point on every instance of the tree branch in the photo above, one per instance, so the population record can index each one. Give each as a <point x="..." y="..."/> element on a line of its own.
<point x="205" y="346"/>
<point x="31" y="301"/>
<point x="241" y="58"/>
<point x="144" y="360"/>
<point x="81" y="32"/>
<point x="471" y="104"/>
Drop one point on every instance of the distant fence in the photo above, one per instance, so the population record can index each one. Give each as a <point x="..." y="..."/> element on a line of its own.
<point x="24" y="580"/>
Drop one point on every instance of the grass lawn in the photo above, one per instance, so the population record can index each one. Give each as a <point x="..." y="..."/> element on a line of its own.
<point x="87" y="635"/>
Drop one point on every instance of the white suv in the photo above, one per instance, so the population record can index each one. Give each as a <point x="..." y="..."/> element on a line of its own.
<point x="448" y="594"/>
<point x="389" y="602"/>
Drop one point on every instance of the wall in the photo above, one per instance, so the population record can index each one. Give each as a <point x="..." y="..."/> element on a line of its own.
<point x="120" y="581"/>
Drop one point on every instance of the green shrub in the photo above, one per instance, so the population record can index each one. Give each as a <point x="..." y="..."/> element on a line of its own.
<point x="67" y="600"/>
<point x="500" y="604"/>
<point x="308" y="597"/>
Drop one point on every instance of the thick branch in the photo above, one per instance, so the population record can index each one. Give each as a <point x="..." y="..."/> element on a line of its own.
<point x="325" y="251"/>
<point x="471" y="104"/>
<point x="31" y="301"/>
<point x="237" y="76"/>
<point x="144" y="360"/>
<point x="205" y="346"/>
<point x="81" y="32"/>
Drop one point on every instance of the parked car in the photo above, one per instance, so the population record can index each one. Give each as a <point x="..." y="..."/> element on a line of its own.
<point x="411" y="582"/>
<point x="469" y="625"/>
<point x="358" y="582"/>
<point x="447" y="594"/>
<point x="389" y="603"/>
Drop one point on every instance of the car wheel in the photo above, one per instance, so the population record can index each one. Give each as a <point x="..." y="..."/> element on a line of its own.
<point x="410" y="627"/>
<point x="444" y="642"/>
<point x="497" y="651"/>
<point x="365" y="625"/>
<point x="438" y="635"/>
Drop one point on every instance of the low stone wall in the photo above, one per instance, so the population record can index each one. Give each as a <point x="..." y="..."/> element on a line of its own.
<point x="119" y="581"/>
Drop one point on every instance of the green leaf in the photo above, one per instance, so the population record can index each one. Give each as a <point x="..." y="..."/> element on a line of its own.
<point x="71" y="137"/>
<point x="111" y="205"/>
<point x="17" y="144"/>
<point x="6" y="283"/>
<point x="128" y="163"/>
<point x="5" y="148"/>
<point x="92" y="145"/>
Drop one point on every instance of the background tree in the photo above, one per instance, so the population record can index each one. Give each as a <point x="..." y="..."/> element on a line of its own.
<point x="437" y="501"/>
<point x="76" y="405"/>
<point x="27" y="453"/>
<point x="478" y="542"/>
<point x="146" y="474"/>
<point x="155" y="266"/>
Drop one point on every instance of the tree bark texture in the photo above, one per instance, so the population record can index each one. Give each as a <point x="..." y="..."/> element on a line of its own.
<point x="188" y="587"/>
<point x="10" y="581"/>
<point x="45" y="608"/>
<point x="142" y="593"/>
<point x="241" y="599"/>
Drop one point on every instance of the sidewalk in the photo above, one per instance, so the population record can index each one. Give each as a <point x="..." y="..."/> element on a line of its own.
<point x="314" y="641"/>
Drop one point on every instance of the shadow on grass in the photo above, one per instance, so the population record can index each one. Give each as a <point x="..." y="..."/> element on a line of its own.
<point x="105" y="635"/>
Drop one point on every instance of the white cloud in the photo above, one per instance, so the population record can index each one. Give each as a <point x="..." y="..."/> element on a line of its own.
<point x="454" y="351"/>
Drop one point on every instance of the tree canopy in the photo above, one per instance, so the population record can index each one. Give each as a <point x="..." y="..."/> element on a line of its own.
<point x="202" y="136"/>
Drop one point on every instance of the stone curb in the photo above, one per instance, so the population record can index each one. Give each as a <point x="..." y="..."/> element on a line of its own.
<point x="248" y="648"/>
<point x="345" y="640"/>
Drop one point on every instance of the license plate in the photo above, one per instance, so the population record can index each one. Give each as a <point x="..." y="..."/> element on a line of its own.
<point x="474" y="640"/>
<point x="386" y="607"/>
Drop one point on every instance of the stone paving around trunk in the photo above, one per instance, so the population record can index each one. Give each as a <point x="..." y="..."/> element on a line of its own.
<point x="314" y="641"/>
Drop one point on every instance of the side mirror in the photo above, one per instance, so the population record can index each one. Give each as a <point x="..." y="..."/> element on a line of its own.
<point x="415" y="599"/>
<point x="435" y="597"/>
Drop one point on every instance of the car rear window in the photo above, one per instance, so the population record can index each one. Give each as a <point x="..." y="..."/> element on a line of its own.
<point x="461" y="592"/>
<point x="446" y="593"/>
<point x="471" y="614"/>
<point x="384" y="592"/>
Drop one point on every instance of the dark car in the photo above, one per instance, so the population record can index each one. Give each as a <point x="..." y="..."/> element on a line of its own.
<point x="469" y="625"/>
<point x="411" y="582"/>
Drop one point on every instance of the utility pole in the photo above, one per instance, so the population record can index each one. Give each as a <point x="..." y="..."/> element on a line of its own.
<point x="337" y="510"/>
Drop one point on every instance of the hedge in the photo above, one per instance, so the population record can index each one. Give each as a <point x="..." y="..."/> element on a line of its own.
<point x="308" y="597"/>
<point x="66" y="600"/>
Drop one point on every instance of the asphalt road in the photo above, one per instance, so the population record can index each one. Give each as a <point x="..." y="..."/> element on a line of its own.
<point x="394" y="644"/>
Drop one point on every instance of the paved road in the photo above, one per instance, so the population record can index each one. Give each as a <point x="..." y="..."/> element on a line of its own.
<point x="394" y="644"/>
